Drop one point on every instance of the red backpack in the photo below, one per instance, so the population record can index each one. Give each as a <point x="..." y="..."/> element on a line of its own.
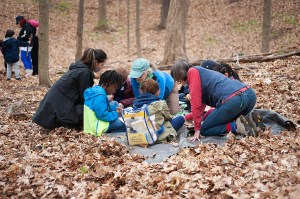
<point x="33" y="22"/>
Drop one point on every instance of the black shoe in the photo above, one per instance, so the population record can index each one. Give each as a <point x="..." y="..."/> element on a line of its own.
<point x="18" y="78"/>
<point x="8" y="79"/>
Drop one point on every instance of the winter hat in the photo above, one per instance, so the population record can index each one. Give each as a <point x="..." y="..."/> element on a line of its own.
<point x="139" y="66"/>
<point x="19" y="18"/>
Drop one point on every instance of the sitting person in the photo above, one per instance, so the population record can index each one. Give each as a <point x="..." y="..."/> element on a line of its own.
<point x="184" y="96"/>
<point x="167" y="126"/>
<point x="124" y="94"/>
<point x="232" y="100"/>
<point x="141" y="70"/>
<point x="100" y="115"/>
<point x="63" y="104"/>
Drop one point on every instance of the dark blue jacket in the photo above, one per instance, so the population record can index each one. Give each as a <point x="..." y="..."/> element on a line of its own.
<point x="216" y="87"/>
<point x="11" y="49"/>
<point x="144" y="98"/>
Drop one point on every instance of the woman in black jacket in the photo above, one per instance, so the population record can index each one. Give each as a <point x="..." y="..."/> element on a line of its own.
<point x="63" y="104"/>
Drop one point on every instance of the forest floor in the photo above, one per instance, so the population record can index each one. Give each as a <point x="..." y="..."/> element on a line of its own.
<point x="35" y="163"/>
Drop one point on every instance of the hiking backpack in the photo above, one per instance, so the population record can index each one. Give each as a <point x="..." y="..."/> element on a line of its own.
<point x="34" y="23"/>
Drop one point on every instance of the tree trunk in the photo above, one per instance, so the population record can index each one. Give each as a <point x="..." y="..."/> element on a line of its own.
<point x="44" y="43"/>
<point x="79" y="30"/>
<point x="128" y="26"/>
<point x="175" y="34"/>
<point x="266" y="31"/>
<point x="164" y="13"/>
<point x="137" y="30"/>
<point x="102" y="18"/>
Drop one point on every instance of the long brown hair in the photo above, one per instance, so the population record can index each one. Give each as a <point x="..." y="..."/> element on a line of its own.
<point x="90" y="56"/>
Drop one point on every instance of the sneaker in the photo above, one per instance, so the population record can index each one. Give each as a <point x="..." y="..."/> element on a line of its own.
<point x="256" y="117"/>
<point x="8" y="79"/>
<point x="18" y="78"/>
<point x="244" y="127"/>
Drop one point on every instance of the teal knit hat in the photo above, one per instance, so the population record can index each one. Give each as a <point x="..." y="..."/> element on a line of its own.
<point x="139" y="66"/>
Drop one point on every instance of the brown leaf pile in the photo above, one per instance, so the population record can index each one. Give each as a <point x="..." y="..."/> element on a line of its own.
<point x="64" y="163"/>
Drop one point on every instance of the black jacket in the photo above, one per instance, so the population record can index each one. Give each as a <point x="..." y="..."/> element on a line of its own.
<point x="10" y="49"/>
<point x="63" y="104"/>
<point x="25" y="33"/>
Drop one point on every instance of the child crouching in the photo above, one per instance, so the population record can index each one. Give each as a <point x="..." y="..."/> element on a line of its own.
<point x="100" y="115"/>
<point x="167" y="126"/>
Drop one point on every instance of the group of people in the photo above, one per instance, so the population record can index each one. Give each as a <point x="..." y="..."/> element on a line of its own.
<point x="26" y="46"/>
<point x="74" y="102"/>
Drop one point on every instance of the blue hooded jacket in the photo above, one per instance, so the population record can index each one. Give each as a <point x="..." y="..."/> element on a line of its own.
<point x="96" y="99"/>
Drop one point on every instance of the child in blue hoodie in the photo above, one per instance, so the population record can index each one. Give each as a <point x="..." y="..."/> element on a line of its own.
<point x="100" y="115"/>
<point x="10" y="51"/>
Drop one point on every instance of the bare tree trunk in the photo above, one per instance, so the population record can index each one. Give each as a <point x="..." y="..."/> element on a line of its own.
<point x="266" y="31"/>
<point x="79" y="30"/>
<point x="164" y="13"/>
<point x="44" y="43"/>
<point x="128" y="26"/>
<point x="102" y="18"/>
<point x="176" y="28"/>
<point x="137" y="30"/>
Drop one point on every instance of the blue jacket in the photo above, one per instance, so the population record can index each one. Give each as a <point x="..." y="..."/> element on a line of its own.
<point x="11" y="49"/>
<point x="95" y="98"/>
<point x="164" y="80"/>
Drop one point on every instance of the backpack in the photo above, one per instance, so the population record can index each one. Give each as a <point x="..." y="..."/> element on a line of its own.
<point x="34" y="23"/>
<point x="140" y="126"/>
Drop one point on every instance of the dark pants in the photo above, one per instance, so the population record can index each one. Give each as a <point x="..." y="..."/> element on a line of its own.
<point x="241" y="104"/>
<point x="177" y="122"/>
<point x="35" y="55"/>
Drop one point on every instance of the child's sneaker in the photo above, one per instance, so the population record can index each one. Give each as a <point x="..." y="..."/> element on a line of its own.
<point x="18" y="78"/>
<point x="244" y="127"/>
<point x="8" y="79"/>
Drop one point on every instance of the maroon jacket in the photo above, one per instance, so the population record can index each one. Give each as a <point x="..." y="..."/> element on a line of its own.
<point x="125" y="95"/>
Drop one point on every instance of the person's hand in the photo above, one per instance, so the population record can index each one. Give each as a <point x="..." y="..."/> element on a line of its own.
<point x="121" y="105"/>
<point x="188" y="97"/>
<point x="110" y="97"/>
<point x="197" y="136"/>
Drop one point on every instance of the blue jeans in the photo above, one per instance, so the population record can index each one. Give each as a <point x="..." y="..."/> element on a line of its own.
<point x="116" y="125"/>
<point x="177" y="122"/>
<point x="241" y="104"/>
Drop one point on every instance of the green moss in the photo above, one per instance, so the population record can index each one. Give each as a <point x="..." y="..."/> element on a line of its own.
<point x="245" y="26"/>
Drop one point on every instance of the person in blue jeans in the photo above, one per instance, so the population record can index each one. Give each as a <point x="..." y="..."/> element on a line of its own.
<point x="231" y="98"/>
<point x="100" y="115"/>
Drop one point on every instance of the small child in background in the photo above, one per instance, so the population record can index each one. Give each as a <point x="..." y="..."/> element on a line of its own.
<point x="124" y="95"/>
<point x="100" y="115"/>
<point x="184" y="96"/>
<point x="167" y="126"/>
<point x="10" y="51"/>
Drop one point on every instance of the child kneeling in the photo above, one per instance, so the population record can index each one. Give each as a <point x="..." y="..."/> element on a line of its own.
<point x="100" y="115"/>
<point x="167" y="126"/>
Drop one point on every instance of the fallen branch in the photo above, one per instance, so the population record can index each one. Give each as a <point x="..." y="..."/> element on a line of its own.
<point x="264" y="57"/>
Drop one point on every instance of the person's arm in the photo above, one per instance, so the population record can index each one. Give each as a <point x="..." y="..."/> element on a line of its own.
<point x="195" y="88"/>
<point x="161" y="80"/>
<point x="135" y="87"/>
<point x="102" y="110"/>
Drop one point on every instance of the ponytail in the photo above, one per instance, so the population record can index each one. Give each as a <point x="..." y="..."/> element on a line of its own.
<point x="90" y="56"/>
